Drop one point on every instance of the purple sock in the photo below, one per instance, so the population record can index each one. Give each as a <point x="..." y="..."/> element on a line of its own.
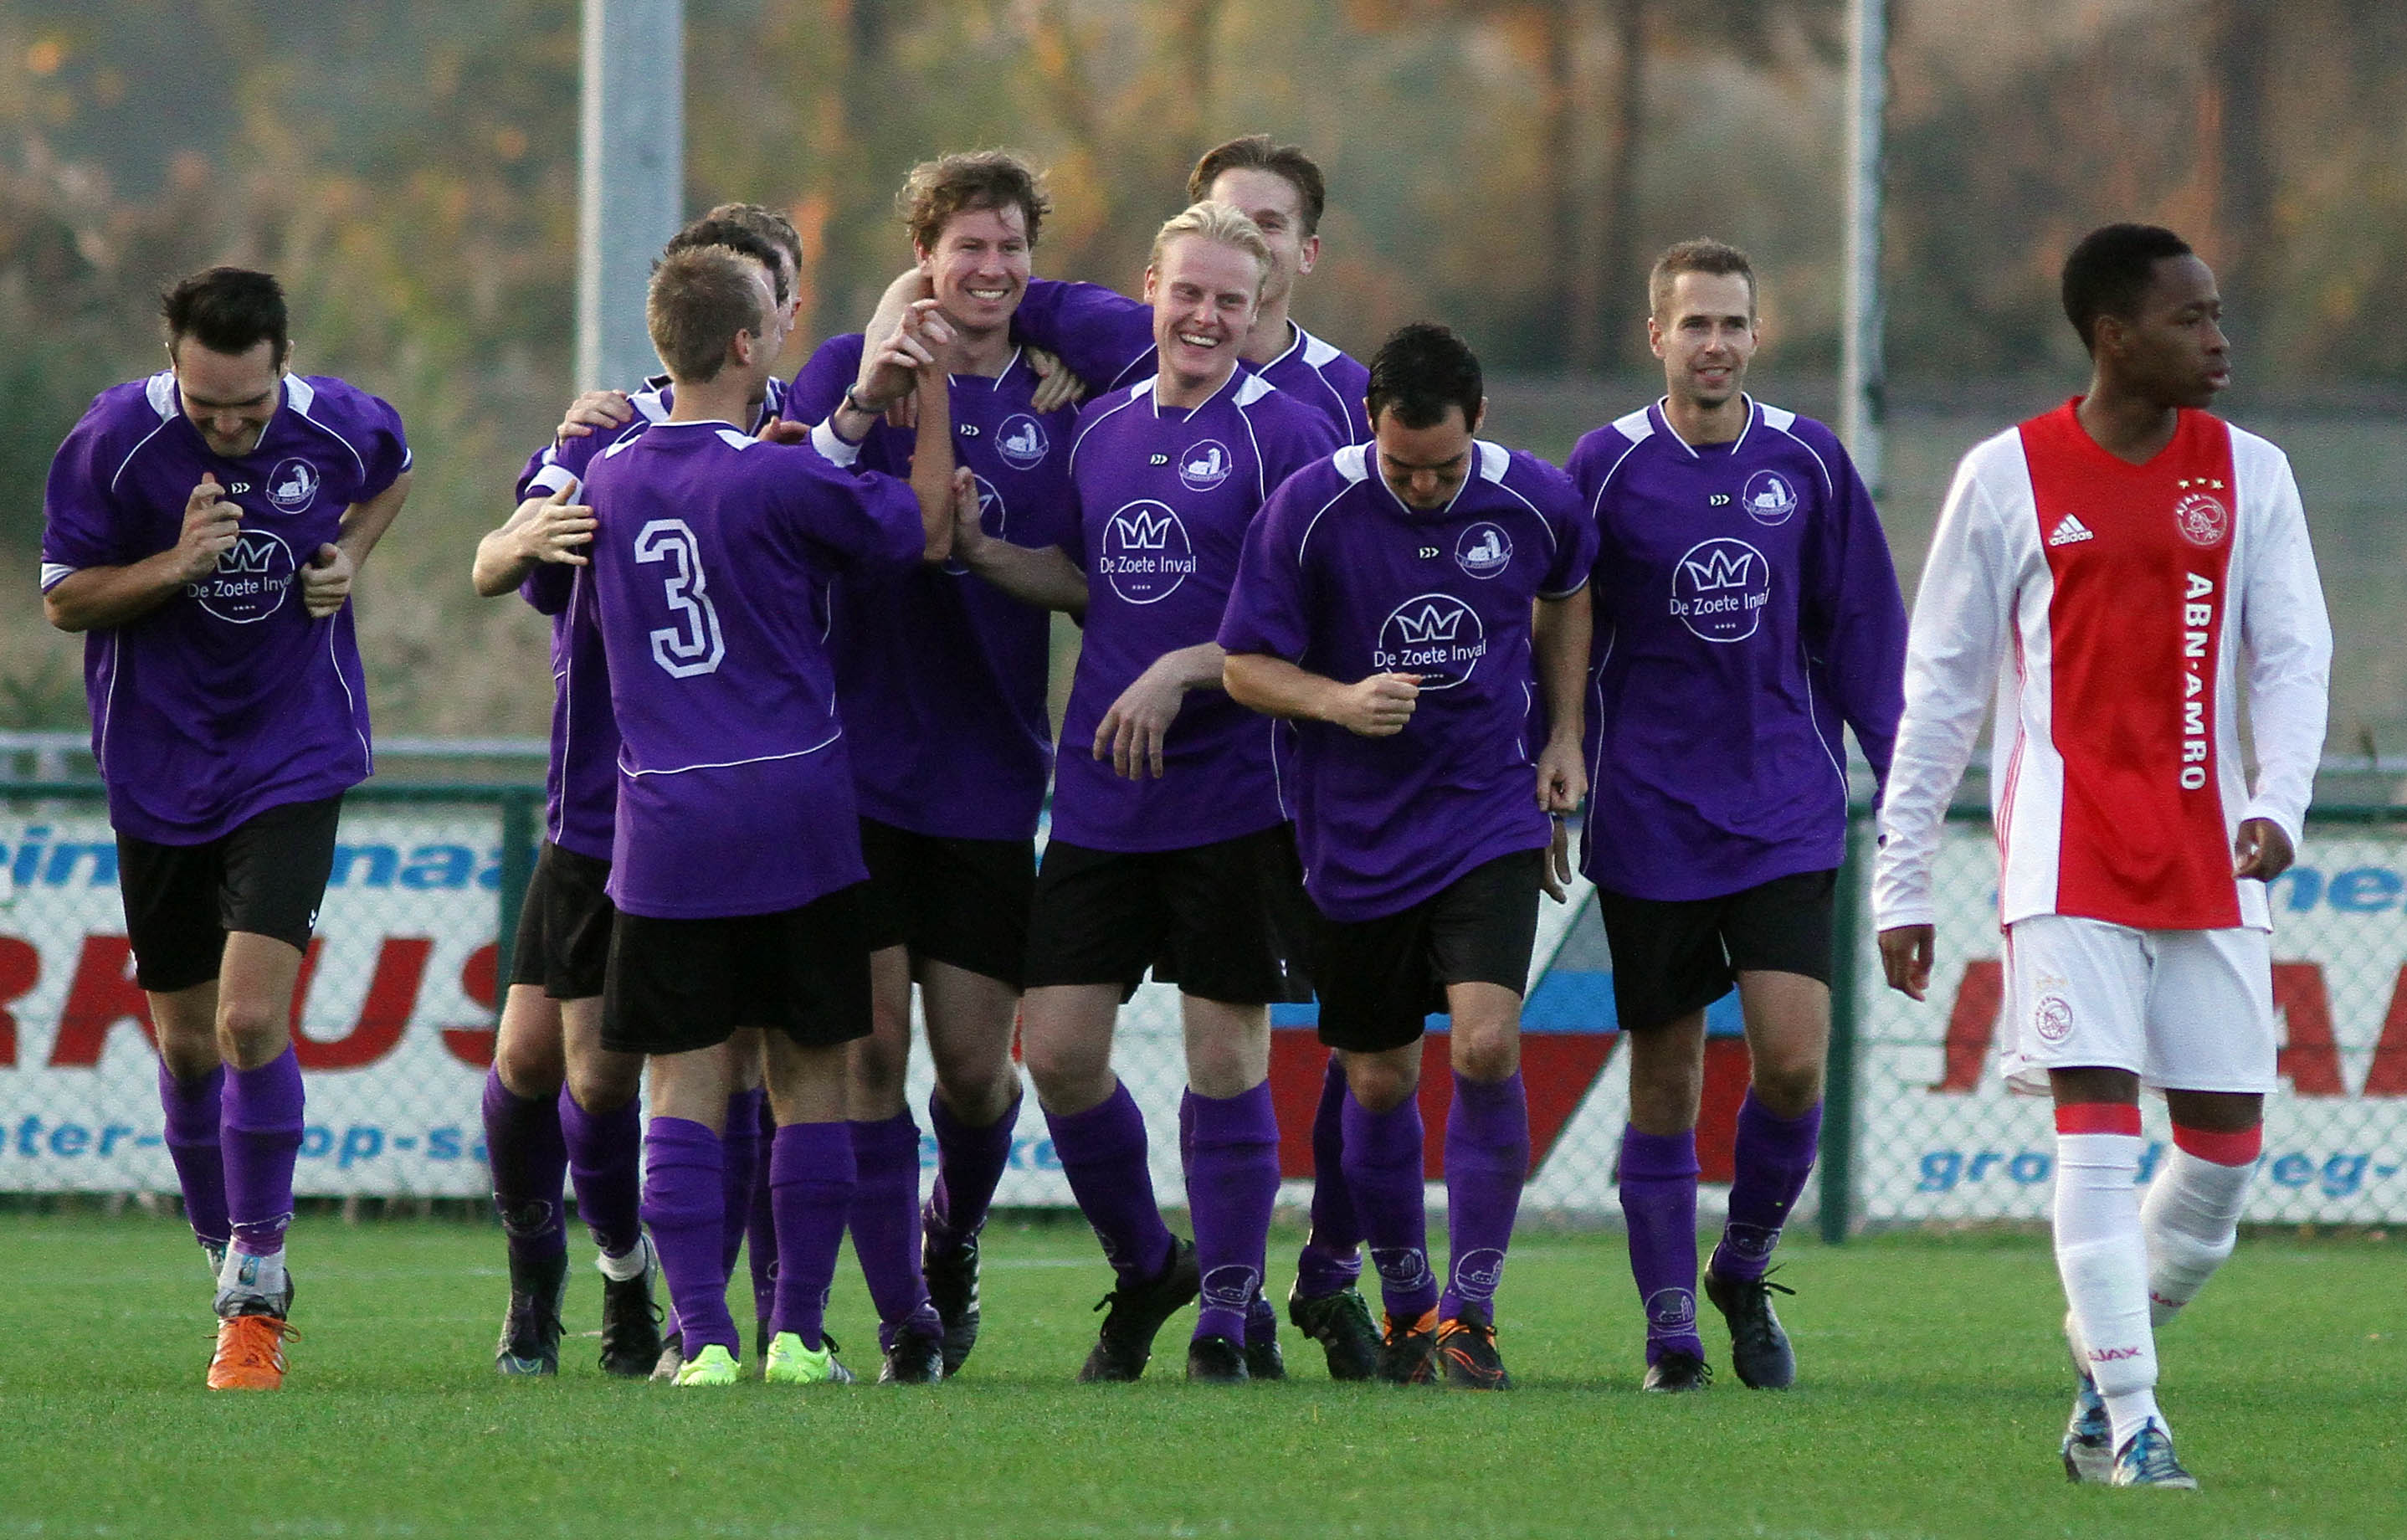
<point x="760" y="1230"/>
<point x="1102" y="1152"/>
<point x="811" y="1180"/>
<point x="1383" y="1167"/>
<point x="196" y="1110"/>
<point x="970" y="1161"/>
<point x="1659" y="1199"/>
<point x="684" y="1196"/>
<point x="606" y="1154"/>
<point x="1230" y="1195"/>
<point x="885" y="1223"/>
<point x="523" y="1142"/>
<point x="1487" y="1161"/>
<point x="261" y="1136"/>
<point x="1331" y="1256"/>
<point x="1772" y="1157"/>
<point x="741" y="1141"/>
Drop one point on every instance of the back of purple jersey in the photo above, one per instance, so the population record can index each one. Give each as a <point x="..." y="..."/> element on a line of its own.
<point x="1746" y="606"/>
<point x="1343" y="579"/>
<point x="734" y="796"/>
<point x="227" y="699"/>
<point x="935" y="655"/>
<point x="1106" y="340"/>
<point x="1166" y="497"/>
<point x="581" y="783"/>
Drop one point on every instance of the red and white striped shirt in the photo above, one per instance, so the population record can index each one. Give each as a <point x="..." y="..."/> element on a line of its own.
<point x="2111" y="611"/>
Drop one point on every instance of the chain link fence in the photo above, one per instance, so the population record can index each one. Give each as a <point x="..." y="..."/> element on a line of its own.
<point x="396" y="1007"/>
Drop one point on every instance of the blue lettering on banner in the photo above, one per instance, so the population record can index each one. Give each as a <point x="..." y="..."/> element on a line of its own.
<point x="2341" y="1174"/>
<point x="34" y="862"/>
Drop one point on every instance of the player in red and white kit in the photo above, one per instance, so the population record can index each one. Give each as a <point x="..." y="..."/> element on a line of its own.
<point x="2119" y="573"/>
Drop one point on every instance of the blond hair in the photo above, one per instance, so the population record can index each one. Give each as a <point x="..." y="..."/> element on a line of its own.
<point x="1214" y="222"/>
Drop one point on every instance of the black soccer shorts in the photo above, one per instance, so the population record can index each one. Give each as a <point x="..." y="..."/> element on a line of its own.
<point x="564" y="926"/>
<point x="962" y="901"/>
<point x="1380" y="980"/>
<point x="673" y="986"/>
<point x="265" y="875"/>
<point x="1671" y="957"/>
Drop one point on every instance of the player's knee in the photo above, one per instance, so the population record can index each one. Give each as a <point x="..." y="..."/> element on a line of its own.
<point x="1485" y="1056"/>
<point x="1063" y="1065"/>
<point x="248" y="1028"/>
<point x="606" y="1084"/>
<point x="1788" y="1088"/>
<point x="978" y="1090"/>
<point x="876" y="1067"/>
<point x="1378" y="1084"/>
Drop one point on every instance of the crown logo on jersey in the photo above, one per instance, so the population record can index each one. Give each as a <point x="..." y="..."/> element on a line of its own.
<point x="1720" y="567"/>
<point x="1145" y="531"/>
<point x="2069" y="530"/>
<point x="1429" y="625"/>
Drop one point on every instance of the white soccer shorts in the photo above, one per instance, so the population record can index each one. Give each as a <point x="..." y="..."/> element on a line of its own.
<point x="2184" y="1010"/>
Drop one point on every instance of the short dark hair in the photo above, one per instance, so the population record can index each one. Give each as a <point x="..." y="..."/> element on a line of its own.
<point x="734" y="235"/>
<point x="1421" y="370"/>
<point x="979" y="178"/>
<point x="770" y="226"/>
<point x="1718" y="258"/>
<point x="1257" y="153"/>
<point x="227" y="311"/>
<point x="2109" y="271"/>
<point x="699" y="299"/>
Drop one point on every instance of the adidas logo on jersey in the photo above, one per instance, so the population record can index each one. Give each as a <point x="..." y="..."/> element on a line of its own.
<point x="2069" y="531"/>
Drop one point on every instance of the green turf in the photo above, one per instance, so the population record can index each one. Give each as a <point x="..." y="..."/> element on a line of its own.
<point x="1933" y="1394"/>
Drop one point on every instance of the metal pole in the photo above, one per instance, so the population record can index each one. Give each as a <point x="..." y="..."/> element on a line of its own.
<point x="1862" y="376"/>
<point x="631" y="178"/>
<point x="1838" y="1190"/>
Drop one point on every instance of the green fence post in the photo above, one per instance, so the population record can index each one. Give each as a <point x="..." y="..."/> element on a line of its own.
<point x="518" y="869"/>
<point x="1839" y="1093"/>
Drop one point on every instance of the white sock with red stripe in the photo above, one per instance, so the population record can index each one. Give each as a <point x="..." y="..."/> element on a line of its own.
<point x="2102" y="1259"/>
<point x="2191" y="1213"/>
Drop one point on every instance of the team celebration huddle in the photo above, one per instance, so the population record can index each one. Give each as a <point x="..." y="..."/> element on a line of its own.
<point x="1351" y="680"/>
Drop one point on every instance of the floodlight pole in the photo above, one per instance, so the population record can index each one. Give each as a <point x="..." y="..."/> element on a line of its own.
<point x="630" y="177"/>
<point x="1863" y="406"/>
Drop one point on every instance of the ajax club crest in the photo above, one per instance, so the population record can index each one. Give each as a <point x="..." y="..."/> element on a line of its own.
<point x="2200" y="516"/>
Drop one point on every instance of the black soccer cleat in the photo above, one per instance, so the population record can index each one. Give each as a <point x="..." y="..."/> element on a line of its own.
<point x="1676" y="1374"/>
<point x="951" y="1272"/>
<point x="1125" y="1344"/>
<point x="1216" y="1361"/>
<point x="1466" y="1351"/>
<point x="530" y="1341"/>
<point x="1340" y="1324"/>
<point x="1408" y="1351"/>
<point x="1263" y="1359"/>
<point x="1759" y="1350"/>
<point x="631" y="1323"/>
<point x="916" y="1358"/>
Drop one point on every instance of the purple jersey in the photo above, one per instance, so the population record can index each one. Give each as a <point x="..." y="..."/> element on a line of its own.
<point x="1164" y="498"/>
<point x="227" y="699"/>
<point x="1341" y="579"/>
<point x="581" y="785"/>
<point x="935" y="655"/>
<point x="710" y="554"/>
<point x="1746" y="606"/>
<point x="1106" y="340"/>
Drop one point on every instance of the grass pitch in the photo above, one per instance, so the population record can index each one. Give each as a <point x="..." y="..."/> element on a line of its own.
<point x="1932" y="1392"/>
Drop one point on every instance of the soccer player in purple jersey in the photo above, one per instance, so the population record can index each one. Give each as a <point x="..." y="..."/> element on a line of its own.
<point x="1384" y="603"/>
<point x="556" y="1102"/>
<point x="735" y="859"/>
<point x="203" y="528"/>
<point x="1169" y="847"/>
<point x="1745" y="608"/>
<point x="1107" y="338"/>
<point x="940" y="655"/>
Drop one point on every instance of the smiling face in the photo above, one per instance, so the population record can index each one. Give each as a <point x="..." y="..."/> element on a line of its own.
<point x="1273" y="203"/>
<point x="2172" y="348"/>
<point x="1705" y="335"/>
<point x="1204" y="295"/>
<point x="228" y="396"/>
<point x="1425" y="466"/>
<point x="980" y="267"/>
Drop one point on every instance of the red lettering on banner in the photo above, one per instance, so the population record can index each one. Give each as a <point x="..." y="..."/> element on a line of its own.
<point x="384" y="1015"/>
<point x="480" y="981"/>
<point x="1973" y="1024"/>
<point x="2387" y="1076"/>
<point x="101" y="994"/>
<point x="21" y="969"/>
<point x="2309" y="1057"/>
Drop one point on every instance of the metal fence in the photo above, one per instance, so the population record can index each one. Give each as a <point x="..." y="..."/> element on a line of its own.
<point x="396" y="1007"/>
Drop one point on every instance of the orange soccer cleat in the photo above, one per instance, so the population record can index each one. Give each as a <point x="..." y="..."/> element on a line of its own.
<point x="251" y="1353"/>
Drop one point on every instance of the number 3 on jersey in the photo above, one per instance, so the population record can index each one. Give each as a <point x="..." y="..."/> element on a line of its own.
<point x="693" y="645"/>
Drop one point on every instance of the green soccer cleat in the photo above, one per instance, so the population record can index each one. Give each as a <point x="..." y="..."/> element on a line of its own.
<point x="789" y="1363"/>
<point x="713" y="1365"/>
